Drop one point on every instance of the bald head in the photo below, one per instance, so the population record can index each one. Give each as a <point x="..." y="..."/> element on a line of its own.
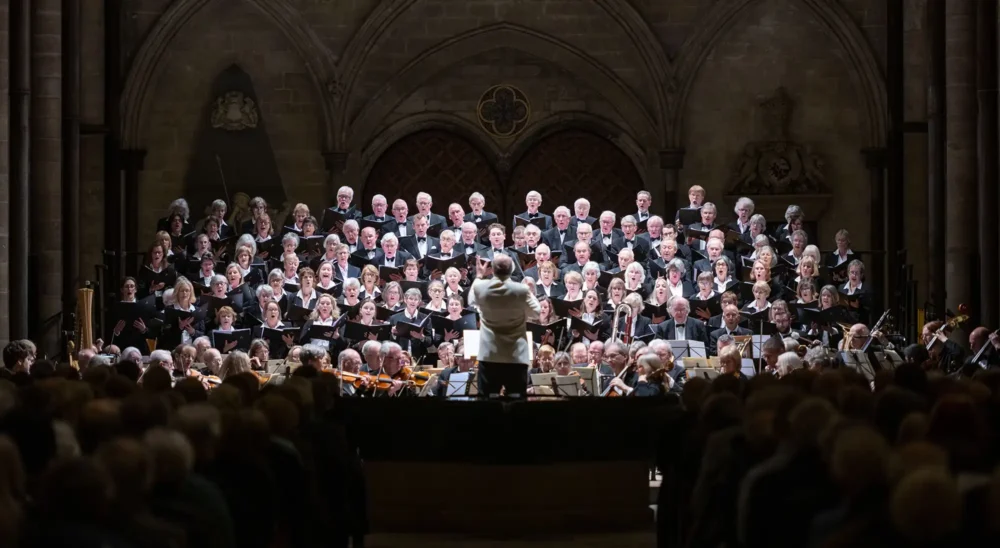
<point x="503" y="266"/>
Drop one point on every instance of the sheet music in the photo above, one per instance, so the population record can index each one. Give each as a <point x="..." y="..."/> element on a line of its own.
<point x="703" y="372"/>
<point x="591" y="380"/>
<point x="568" y="385"/>
<point x="457" y="384"/>
<point x="758" y="343"/>
<point x="747" y="367"/>
<point x="688" y="349"/>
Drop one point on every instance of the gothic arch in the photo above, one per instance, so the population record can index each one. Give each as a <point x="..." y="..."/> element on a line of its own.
<point x="477" y="41"/>
<point x="655" y="61"/>
<point x="570" y="162"/>
<point x="449" y="165"/>
<point x="576" y="120"/>
<point x="832" y="15"/>
<point x="314" y="54"/>
<point x="421" y="122"/>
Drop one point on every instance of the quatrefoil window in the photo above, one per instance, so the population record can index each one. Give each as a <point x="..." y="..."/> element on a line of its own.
<point x="503" y="111"/>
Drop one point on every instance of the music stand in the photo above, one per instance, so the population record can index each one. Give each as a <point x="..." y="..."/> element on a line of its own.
<point x="698" y="363"/>
<point x="591" y="380"/>
<point x="706" y="373"/>
<point x="747" y="367"/>
<point x="566" y="385"/>
<point x="688" y="349"/>
<point x="459" y="386"/>
<point x="859" y="362"/>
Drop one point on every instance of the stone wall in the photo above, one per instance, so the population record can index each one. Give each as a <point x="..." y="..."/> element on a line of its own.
<point x="4" y="175"/>
<point x="679" y="74"/>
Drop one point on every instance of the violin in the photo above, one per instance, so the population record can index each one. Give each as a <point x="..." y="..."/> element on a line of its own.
<point x="355" y="379"/>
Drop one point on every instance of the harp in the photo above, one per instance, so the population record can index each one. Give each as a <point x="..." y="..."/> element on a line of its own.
<point x="84" y="327"/>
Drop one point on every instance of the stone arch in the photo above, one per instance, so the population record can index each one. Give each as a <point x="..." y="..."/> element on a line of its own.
<point x="864" y="65"/>
<point x="572" y="162"/>
<point x="436" y="160"/>
<point x="654" y="58"/>
<point x="416" y="123"/>
<point x="577" y="120"/>
<point x="466" y="45"/>
<point x="315" y="57"/>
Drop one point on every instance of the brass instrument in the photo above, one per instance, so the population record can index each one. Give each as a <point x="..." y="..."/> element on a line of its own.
<point x="845" y="331"/>
<point x="619" y="310"/>
<point x="743" y="343"/>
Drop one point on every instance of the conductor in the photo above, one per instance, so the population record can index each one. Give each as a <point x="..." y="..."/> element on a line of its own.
<point x="504" y="307"/>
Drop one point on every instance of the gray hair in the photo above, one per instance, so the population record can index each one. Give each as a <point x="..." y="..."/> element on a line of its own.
<point x="617" y="345"/>
<point x="99" y="360"/>
<point x="246" y="240"/>
<point x="788" y="362"/>
<point x="609" y="214"/>
<point x="387" y="348"/>
<point x="678" y="265"/>
<point x="744" y="201"/>
<point x="758" y="220"/>
<point x="352" y="283"/>
<point x="275" y="274"/>
<point x="371" y="346"/>
<point x="168" y="296"/>
<point x="725" y="340"/>
<point x="331" y="238"/>
<point x="562" y="208"/>
<point x="290" y="237"/>
<point x="346" y="353"/>
<point x="311" y="352"/>
<point x="389" y="237"/>
<point x="583" y="201"/>
<point x="219" y="279"/>
<point x="657" y="344"/>
<point x="591" y="266"/>
<point x="351" y="223"/>
<point x="629" y="219"/>
<point x="413" y="292"/>
<point x="680" y="301"/>
<point x="264" y="290"/>
<point x="160" y="357"/>
<point x="131" y="354"/>
<point x="347" y="190"/>
<point x="180" y="205"/>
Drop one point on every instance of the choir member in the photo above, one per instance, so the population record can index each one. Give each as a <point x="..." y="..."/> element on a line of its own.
<point x="546" y="284"/>
<point x="307" y="296"/>
<point x="680" y="326"/>
<point x="179" y="209"/>
<point x="761" y="292"/>
<point x="616" y="292"/>
<point x="676" y="284"/>
<point x="744" y="210"/>
<point x="351" y="291"/>
<point x="351" y="232"/>
<point x="477" y="214"/>
<point x="723" y="280"/>
<point x="424" y="203"/>
<point x="591" y="275"/>
<point x="342" y="268"/>
<point x="533" y="200"/>
<point x="325" y="282"/>
<point x="157" y="273"/>
<point x="392" y="296"/>
<point x="635" y="280"/>
<point x="436" y="303"/>
<point x="325" y="314"/>
<point x="379" y="207"/>
<point x="370" y="290"/>
<point x="182" y="330"/>
<point x="415" y="342"/>
<point x="299" y="215"/>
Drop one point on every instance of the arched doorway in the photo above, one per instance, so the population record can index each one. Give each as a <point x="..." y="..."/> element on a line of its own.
<point x="441" y="163"/>
<point x="575" y="164"/>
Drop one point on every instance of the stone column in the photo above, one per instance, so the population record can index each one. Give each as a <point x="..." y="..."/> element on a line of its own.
<point x="961" y="242"/>
<point x="336" y="168"/>
<point x="672" y="162"/>
<point x="986" y="82"/>
<point x="875" y="161"/>
<point x="20" y="166"/>
<point x="71" y="43"/>
<point x="133" y="162"/>
<point x="4" y="176"/>
<point x="46" y="174"/>
<point x="936" y="145"/>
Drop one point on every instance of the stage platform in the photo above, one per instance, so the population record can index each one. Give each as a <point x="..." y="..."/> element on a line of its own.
<point x="554" y="466"/>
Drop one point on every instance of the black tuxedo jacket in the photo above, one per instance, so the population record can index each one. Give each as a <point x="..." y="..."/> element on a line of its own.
<point x="433" y="248"/>
<point x="393" y="226"/>
<point x="352" y="272"/>
<point x="574" y="221"/>
<point x="361" y="255"/>
<point x="735" y="227"/>
<point x="642" y="326"/>
<point x="486" y="217"/>
<point x="551" y="237"/>
<point x="694" y="330"/>
<point x="416" y="347"/>
<point x="640" y="247"/>
<point x="398" y="260"/>
<point x="548" y="219"/>
<point x="487" y="253"/>
<point x="433" y="219"/>
<point x="713" y="342"/>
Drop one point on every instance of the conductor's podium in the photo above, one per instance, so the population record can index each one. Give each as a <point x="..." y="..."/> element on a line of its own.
<point x="507" y="468"/>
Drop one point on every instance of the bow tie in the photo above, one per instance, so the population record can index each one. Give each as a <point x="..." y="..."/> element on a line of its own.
<point x="479" y="219"/>
<point x="470" y="246"/>
<point x="680" y="325"/>
<point x="380" y="219"/>
<point x="419" y="239"/>
<point x="562" y="232"/>
<point x="532" y="215"/>
<point x="393" y="258"/>
<point x="341" y="210"/>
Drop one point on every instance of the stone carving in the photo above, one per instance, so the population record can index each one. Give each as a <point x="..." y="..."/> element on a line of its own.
<point x="503" y="111"/>
<point x="234" y="112"/>
<point x="777" y="164"/>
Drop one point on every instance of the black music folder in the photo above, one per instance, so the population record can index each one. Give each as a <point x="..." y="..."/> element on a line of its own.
<point x="377" y="225"/>
<point x="658" y="311"/>
<point x="357" y="331"/>
<point x="404" y="327"/>
<point x="275" y="337"/>
<point x="443" y="323"/>
<point x="705" y="309"/>
<point x="520" y="220"/>
<point x="311" y="245"/>
<point x="562" y="307"/>
<point x="241" y="337"/>
<point x="689" y="215"/>
<point x="457" y="260"/>
<point x="604" y="280"/>
<point x="388" y="273"/>
<point x="325" y="332"/>
<point x="583" y="326"/>
<point x="538" y="330"/>
<point x="333" y="220"/>
<point x="298" y="314"/>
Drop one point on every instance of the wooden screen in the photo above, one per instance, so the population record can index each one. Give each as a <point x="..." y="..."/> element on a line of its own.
<point x="443" y="164"/>
<point x="575" y="164"/>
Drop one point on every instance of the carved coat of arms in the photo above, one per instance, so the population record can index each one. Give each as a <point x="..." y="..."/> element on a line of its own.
<point x="234" y="112"/>
<point x="776" y="164"/>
